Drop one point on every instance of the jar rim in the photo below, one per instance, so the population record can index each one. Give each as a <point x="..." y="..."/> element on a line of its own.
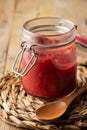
<point x="29" y="31"/>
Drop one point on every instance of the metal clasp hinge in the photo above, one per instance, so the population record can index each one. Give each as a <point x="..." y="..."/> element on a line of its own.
<point x="16" y="67"/>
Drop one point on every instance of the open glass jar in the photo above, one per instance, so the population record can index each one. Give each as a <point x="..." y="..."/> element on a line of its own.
<point x="48" y="57"/>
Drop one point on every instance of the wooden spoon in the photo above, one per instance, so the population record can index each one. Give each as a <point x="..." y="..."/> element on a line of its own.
<point x="57" y="108"/>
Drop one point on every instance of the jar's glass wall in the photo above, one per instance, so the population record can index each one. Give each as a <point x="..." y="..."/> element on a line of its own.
<point x="54" y="74"/>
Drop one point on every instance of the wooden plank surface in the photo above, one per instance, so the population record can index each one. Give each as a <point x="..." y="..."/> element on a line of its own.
<point x="6" y="16"/>
<point x="13" y="13"/>
<point x="36" y="8"/>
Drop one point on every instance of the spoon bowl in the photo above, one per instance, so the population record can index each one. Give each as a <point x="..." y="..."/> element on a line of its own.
<point x="57" y="108"/>
<point x="51" y="112"/>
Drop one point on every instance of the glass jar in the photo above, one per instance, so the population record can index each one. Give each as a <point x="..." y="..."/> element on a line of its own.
<point x="48" y="57"/>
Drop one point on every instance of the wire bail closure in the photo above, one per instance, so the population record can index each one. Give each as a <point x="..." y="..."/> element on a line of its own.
<point x="16" y="67"/>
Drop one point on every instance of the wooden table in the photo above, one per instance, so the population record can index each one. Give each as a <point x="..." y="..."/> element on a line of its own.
<point x="13" y="13"/>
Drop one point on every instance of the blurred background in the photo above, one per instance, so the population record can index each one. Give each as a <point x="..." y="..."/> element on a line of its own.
<point x="14" y="13"/>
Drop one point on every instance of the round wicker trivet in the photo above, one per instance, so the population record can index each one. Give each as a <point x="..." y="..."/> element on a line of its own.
<point x="18" y="108"/>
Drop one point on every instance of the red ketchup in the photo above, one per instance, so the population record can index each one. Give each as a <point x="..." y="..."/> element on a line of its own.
<point x="54" y="74"/>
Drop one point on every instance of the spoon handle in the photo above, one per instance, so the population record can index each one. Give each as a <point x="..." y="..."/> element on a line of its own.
<point x="79" y="91"/>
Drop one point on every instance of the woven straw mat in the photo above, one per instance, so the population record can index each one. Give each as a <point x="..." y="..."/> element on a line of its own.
<point x="18" y="108"/>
